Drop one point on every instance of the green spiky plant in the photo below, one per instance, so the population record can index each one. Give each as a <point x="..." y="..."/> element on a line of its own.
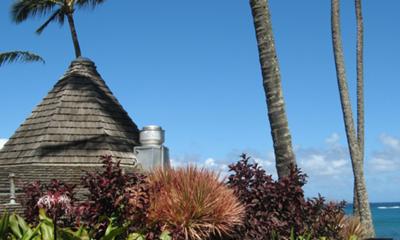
<point x="19" y="56"/>
<point x="4" y="225"/>
<point x="57" y="10"/>
<point x="16" y="228"/>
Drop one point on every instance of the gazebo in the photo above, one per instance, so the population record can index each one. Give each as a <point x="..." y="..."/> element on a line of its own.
<point x="77" y="122"/>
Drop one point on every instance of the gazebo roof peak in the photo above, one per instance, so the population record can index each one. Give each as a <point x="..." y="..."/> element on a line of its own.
<point x="78" y="121"/>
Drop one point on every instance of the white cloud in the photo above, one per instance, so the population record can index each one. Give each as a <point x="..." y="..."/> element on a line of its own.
<point x="331" y="160"/>
<point x="174" y="162"/>
<point x="390" y="142"/>
<point x="388" y="159"/>
<point x="383" y="165"/>
<point x="219" y="166"/>
<point x="267" y="163"/>
<point x="332" y="139"/>
<point x="209" y="162"/>
<point x="2" y="142"/>
<point x="328" y="167"/>
<point x="323" y="164"/>
<point x="339" y="163"/>
<point x="187" y="159"/>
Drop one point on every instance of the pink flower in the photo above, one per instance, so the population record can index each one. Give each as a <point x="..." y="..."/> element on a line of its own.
<point x="46" y="202"/>
<point x="53" y="202"/>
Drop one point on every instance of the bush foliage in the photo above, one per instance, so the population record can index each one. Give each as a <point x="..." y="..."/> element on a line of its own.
<point x="193" y="204"/>
<point x="277" y="207"/>
<point x="109" y="193"/>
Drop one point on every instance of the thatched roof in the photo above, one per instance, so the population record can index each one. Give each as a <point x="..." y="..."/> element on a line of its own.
<point x="78" y="121"/>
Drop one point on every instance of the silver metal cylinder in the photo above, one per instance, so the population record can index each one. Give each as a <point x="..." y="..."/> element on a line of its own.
<point x="152" y="135"/>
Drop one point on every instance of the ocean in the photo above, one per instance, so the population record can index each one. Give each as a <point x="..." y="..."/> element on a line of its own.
<point x="386" y="218"/>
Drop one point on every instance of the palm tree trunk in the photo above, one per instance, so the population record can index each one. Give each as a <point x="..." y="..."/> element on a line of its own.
<point x="363" y="203"/>
<point x="360" y="88"/>
<point x="352" y="139"/>
<point x="281" y="137"/>
<point x="356" y="208"/>
<point x="74" y="35"/>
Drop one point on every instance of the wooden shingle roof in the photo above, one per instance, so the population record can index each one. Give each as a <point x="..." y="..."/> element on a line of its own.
<point x="78" y="121"/>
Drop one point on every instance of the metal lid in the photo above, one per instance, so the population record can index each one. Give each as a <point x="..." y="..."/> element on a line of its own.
<point x="151" y="135"/>
<point x="152" y="127"/>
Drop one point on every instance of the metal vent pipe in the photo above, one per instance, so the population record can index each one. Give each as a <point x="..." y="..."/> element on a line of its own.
<point x="152" y="153"/>
<point x="152" y="135"/>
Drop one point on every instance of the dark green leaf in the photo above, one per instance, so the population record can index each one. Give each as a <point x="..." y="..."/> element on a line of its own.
<point x="23" y="56"/>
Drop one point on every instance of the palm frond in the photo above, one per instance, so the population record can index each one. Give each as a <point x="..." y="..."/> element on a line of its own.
<point x="56" y="16"/>
<point x="22" y="56"/>
<point x="23" y="9"/>
<point x="61" y="18"/>
<point x="89" y="3"/>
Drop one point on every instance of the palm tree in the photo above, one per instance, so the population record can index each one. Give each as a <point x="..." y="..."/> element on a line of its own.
<point x="355" y="140"/>
<point x="360" y="91"/>
<point x="284" y="155"/>
<point x="58" y="10"/>
<point x="23" y="56"/>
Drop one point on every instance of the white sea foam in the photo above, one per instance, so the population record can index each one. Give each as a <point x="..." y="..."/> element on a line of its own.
<point x="388" y="207"/>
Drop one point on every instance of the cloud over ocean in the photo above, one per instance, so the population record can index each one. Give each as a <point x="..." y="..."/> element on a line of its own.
<point x="328" y="167"/>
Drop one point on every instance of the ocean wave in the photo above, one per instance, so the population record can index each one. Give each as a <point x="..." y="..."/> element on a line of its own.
<point x="388" y="207"/>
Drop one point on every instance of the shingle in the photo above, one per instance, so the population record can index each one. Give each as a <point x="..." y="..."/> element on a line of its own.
<point x="77" y="122"/>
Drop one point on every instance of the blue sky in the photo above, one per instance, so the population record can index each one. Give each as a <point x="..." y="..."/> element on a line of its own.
<point x="192" y="67"/>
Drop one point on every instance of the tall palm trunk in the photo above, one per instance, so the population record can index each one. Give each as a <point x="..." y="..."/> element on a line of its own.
<point x="360" y="91"/>
<point x="74" y="35"/>
<point x="281" y="137"/>
<point x="355" y="148"/>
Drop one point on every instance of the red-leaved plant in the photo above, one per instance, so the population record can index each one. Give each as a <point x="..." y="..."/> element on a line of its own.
<point x="277" y="207"/>
<point x="108" y="197"/>
<point x="112" y="194"/>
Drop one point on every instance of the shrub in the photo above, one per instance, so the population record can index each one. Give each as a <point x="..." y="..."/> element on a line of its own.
<point x="36" y="190"/>
<point x="108" y="196"/>
<point x="351" y="227"/>
<point x="279" y="207"/>
<point x="115" y="200"/>
<point x="324" y="217"/>
<point x="192" y="203"/>
<point x="137" y="201"/>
